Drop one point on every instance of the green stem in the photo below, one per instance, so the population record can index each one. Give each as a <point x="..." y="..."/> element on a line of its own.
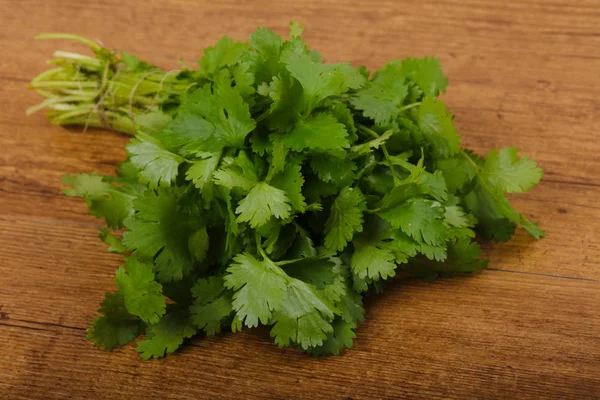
<point x="409" y="106"/>
<point x="375" y="135"/>
<point x="470" y="160"/>
<point x="95" y="46"/>
<point x="63" y="84"/>
<point x="259" y="246"/>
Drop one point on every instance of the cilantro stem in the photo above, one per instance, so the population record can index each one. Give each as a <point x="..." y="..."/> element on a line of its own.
<point x="263" y="115"/>
<point x="375" y="135"/>
<point x="470" y="160"/>
<point x="93" y="45"/>
<point x="409" y="106"/>
<point x="259" y="246"/>
<point x="368" y="131"/>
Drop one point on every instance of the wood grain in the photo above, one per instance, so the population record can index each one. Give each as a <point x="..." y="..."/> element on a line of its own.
<point x="522" y="73"/>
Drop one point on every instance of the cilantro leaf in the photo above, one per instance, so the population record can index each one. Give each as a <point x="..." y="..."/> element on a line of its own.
<point x="167" y="335"/>
<point x="420" y="219"/>
<point x="211" y="118"/>
<point x="200" y="173"/>
<point x="345" y="218"/>
<point x="456" y="171"/>
<point x="142" y="294"/>
<point x="286" y="95"/>
<point x="104" y="199"/>
<point x="383" y="98"/>
<point x="304" y="318"/>
<point x="377" y="250"/>
<point x="116" y="326"/>
<point x="330" y="168"/>
<point x="212" y="304"/>
<point x="320" y="81"/>
<point x="427" y="73"/>
<point x="159" y="232"/>
<point x="259" y="289"/>
<point x="489" y="204"/>
<point x="509" y="173"/>
<point x="115" y="244"/>
<point x="225" y="53"/>
<point x="262" y="202"/>
<point x="496" y="216"/>
<point x="341" y="336"/>
<point x="436" y="125"/>
<point x="157" y="166"/>
<point x="264" y="54"/>
<point x="152" y="123"/>
<point x="322" y="132"/>
<point x="290" y="181"/>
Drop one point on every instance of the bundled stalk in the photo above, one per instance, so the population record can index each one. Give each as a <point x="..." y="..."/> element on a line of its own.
<point x="107" y="90"/>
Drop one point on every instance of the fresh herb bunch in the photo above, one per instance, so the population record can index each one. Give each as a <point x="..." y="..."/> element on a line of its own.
<point x="269" y="188"/>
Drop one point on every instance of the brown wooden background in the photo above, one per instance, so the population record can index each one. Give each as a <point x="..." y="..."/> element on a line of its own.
<point x="524" y="73"/>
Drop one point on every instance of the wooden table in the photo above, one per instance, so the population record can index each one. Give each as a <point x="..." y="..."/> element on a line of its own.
<point x="523" y="73"/>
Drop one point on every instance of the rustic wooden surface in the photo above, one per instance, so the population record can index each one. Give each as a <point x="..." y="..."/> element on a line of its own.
<point x="524" y="73"/>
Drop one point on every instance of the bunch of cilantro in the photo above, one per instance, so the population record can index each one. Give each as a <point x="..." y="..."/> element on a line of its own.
<point x="281" y="189"/>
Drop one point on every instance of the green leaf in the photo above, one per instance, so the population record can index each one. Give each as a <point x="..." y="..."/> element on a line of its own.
<point x="260" y="288"/>
<point x="231" y="118"/>
<point x="495" y="214"/>
<point x="507" y="172"/>
<point x="345" y="218"/>
<point x="373" y="260"/>
<point x="320" y="81"/>
<point x="264" y="54"/>
<point x="115" y="245"/>
<point x="279" y="154"/>
<point x="321" y="132"/>
<point x="421" y="219"/>
<point x="200" y="173"/>
<point x="341" y="337"/>
<point x="382" y="100"/>
<point x="261" y="203"/>
<point x="291" y="181"/>
<point x="116" y="326"/>
<point x="142" y="294"/>
<point x="210" y="119"/>
<point x="455" y="216"/>
<point x="366" y="148"/>
<point x="457" y="172"/>
<point x="157" y="166"/>
<point x="342" y="114"/>
<point x="427" y="73"/>
<point x="159" y="232"/>
<point x="286" y="107"/>
<point x="304" y="318"/>
<point x="104" y="200"/>
<point x="225" y="53"/>
<point x="233" y="178"/>
<point x="330" y="168"/>
<point x="199" y="244"/>
<point x="152" y="123"/>
<point x="167" y="335"/>
<point x="463" y="256"/>
<point x="212" y="304"/>
<point x="437" y="127"/>
<point x="296" y="29"/>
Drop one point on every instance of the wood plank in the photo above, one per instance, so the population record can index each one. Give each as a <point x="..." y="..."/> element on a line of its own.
<point x="488" y="336"/>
